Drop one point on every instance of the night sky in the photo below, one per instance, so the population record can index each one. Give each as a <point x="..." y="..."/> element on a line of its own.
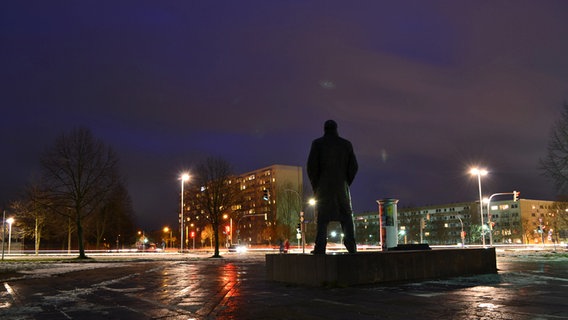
<point x="423" y="89"/>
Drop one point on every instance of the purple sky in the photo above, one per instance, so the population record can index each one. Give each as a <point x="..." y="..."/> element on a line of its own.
<point x="423" y="89"/>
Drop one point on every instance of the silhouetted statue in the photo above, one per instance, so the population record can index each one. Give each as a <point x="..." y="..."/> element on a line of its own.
<point x="331" y="169"/>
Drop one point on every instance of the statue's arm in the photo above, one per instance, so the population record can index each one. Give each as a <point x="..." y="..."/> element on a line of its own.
<point x="352" y="167"/>
<point x="313" y="166"/>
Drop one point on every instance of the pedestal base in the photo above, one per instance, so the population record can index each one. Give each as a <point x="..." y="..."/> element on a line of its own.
<point x="377" y="267"/>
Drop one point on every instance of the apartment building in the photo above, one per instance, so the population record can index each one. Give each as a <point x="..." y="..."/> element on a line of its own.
<point x="506" y="222"/>
<point x="271" y="202"/>
<point x="268" y="202"/>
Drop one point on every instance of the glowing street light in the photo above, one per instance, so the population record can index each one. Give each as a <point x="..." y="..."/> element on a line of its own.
<point x="9" y="221"/>
<point x="184" y="177"/>
<point x="230" y="230"/>
<point x="166" y="230"/>
<point x="480" y="172"/>
<point x="312" y="202"/>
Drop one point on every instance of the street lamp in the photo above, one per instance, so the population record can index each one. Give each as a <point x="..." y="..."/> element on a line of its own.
<point x="230" y="238"/>
<point x="480" y="172"/>
<point x="192" y="234"/>
<point x="166" y="230"/>
<point x="462" y="233"/>
<point x="184" y="177"/>
<point x="9" y="221"/>
<point x="312" y="203"/>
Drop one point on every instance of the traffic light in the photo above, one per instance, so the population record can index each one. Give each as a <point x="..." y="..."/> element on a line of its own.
<point x="266" y="195"/>
<point x="227" y="229"/>
<point x="516" y="195"/>
<point x="192" y="234"/>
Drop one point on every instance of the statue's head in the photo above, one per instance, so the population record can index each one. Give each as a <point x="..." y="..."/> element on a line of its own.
<point x="330" y="126"/>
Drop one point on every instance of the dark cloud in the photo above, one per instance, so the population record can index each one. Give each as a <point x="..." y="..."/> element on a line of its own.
<point x="423" y="90"/>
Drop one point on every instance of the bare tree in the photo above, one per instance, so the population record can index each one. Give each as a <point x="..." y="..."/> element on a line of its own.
<point x="33" y="216"/>
<point x="79" y="173"/>
<point x="528" y="230"/>
<point x="555" y="164"/>
<point x="216" y="193"/>
<point x="113" y="219"/>
<point x="207" y="233"/>
<point x="289" y="205"/>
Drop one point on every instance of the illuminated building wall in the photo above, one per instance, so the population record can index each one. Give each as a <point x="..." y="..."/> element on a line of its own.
<point x="253" y="219"/>
<point x="260" y="220"/>
<point x="522" y="222"/>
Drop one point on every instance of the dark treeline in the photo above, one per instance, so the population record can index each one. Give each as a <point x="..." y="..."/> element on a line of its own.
<point x="79" y="201"/>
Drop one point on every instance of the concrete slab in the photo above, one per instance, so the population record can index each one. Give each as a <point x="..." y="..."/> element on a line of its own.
<point x="375" y="267"/>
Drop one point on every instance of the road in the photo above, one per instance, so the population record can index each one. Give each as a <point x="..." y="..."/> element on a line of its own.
<point x="528" y="286"/>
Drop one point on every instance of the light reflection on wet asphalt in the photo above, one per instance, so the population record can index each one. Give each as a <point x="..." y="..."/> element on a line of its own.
<point x="235" y="288"/>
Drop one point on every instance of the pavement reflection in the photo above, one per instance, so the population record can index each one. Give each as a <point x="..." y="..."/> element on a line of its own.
<point x="235" y="287"/>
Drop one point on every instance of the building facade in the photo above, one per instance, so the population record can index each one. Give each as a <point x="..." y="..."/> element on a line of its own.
<point x="266" y="206"/>
<point x="506" y="222"/>
<point x="271" y="200"/>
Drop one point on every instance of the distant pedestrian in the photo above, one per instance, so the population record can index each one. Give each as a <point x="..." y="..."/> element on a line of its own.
<point x="286" y="246"/>
<point x="331" y="169"/>
<point x="281" y="246"/>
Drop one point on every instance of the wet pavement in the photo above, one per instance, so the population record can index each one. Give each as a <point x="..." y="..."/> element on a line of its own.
<point x="529" y="285"/>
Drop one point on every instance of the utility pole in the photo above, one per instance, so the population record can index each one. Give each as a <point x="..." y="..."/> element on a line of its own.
<point x="3" y="231"/>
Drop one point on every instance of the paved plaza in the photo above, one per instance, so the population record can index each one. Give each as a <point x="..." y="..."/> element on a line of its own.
<point x="529" y="285"/>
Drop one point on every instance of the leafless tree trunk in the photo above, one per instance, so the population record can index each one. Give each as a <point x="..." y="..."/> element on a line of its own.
<point x="79" y="172"/>
<point x="216" y="195"/>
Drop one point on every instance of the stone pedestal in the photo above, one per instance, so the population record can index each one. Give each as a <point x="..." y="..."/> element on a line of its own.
<point x="378" y="267"/>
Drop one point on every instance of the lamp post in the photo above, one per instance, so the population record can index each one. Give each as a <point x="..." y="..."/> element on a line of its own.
<point x="9" y="221"/>
<point x="230" y="238"/>
<point x="462" y="233"/>
<point x="166" y="230"/>
<point x="3" y="231"/>
<point x="193" y="235"/>
<point x="480" y="172"/>
<point x="184" y="178"/>
<point x="312" y="203"/>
